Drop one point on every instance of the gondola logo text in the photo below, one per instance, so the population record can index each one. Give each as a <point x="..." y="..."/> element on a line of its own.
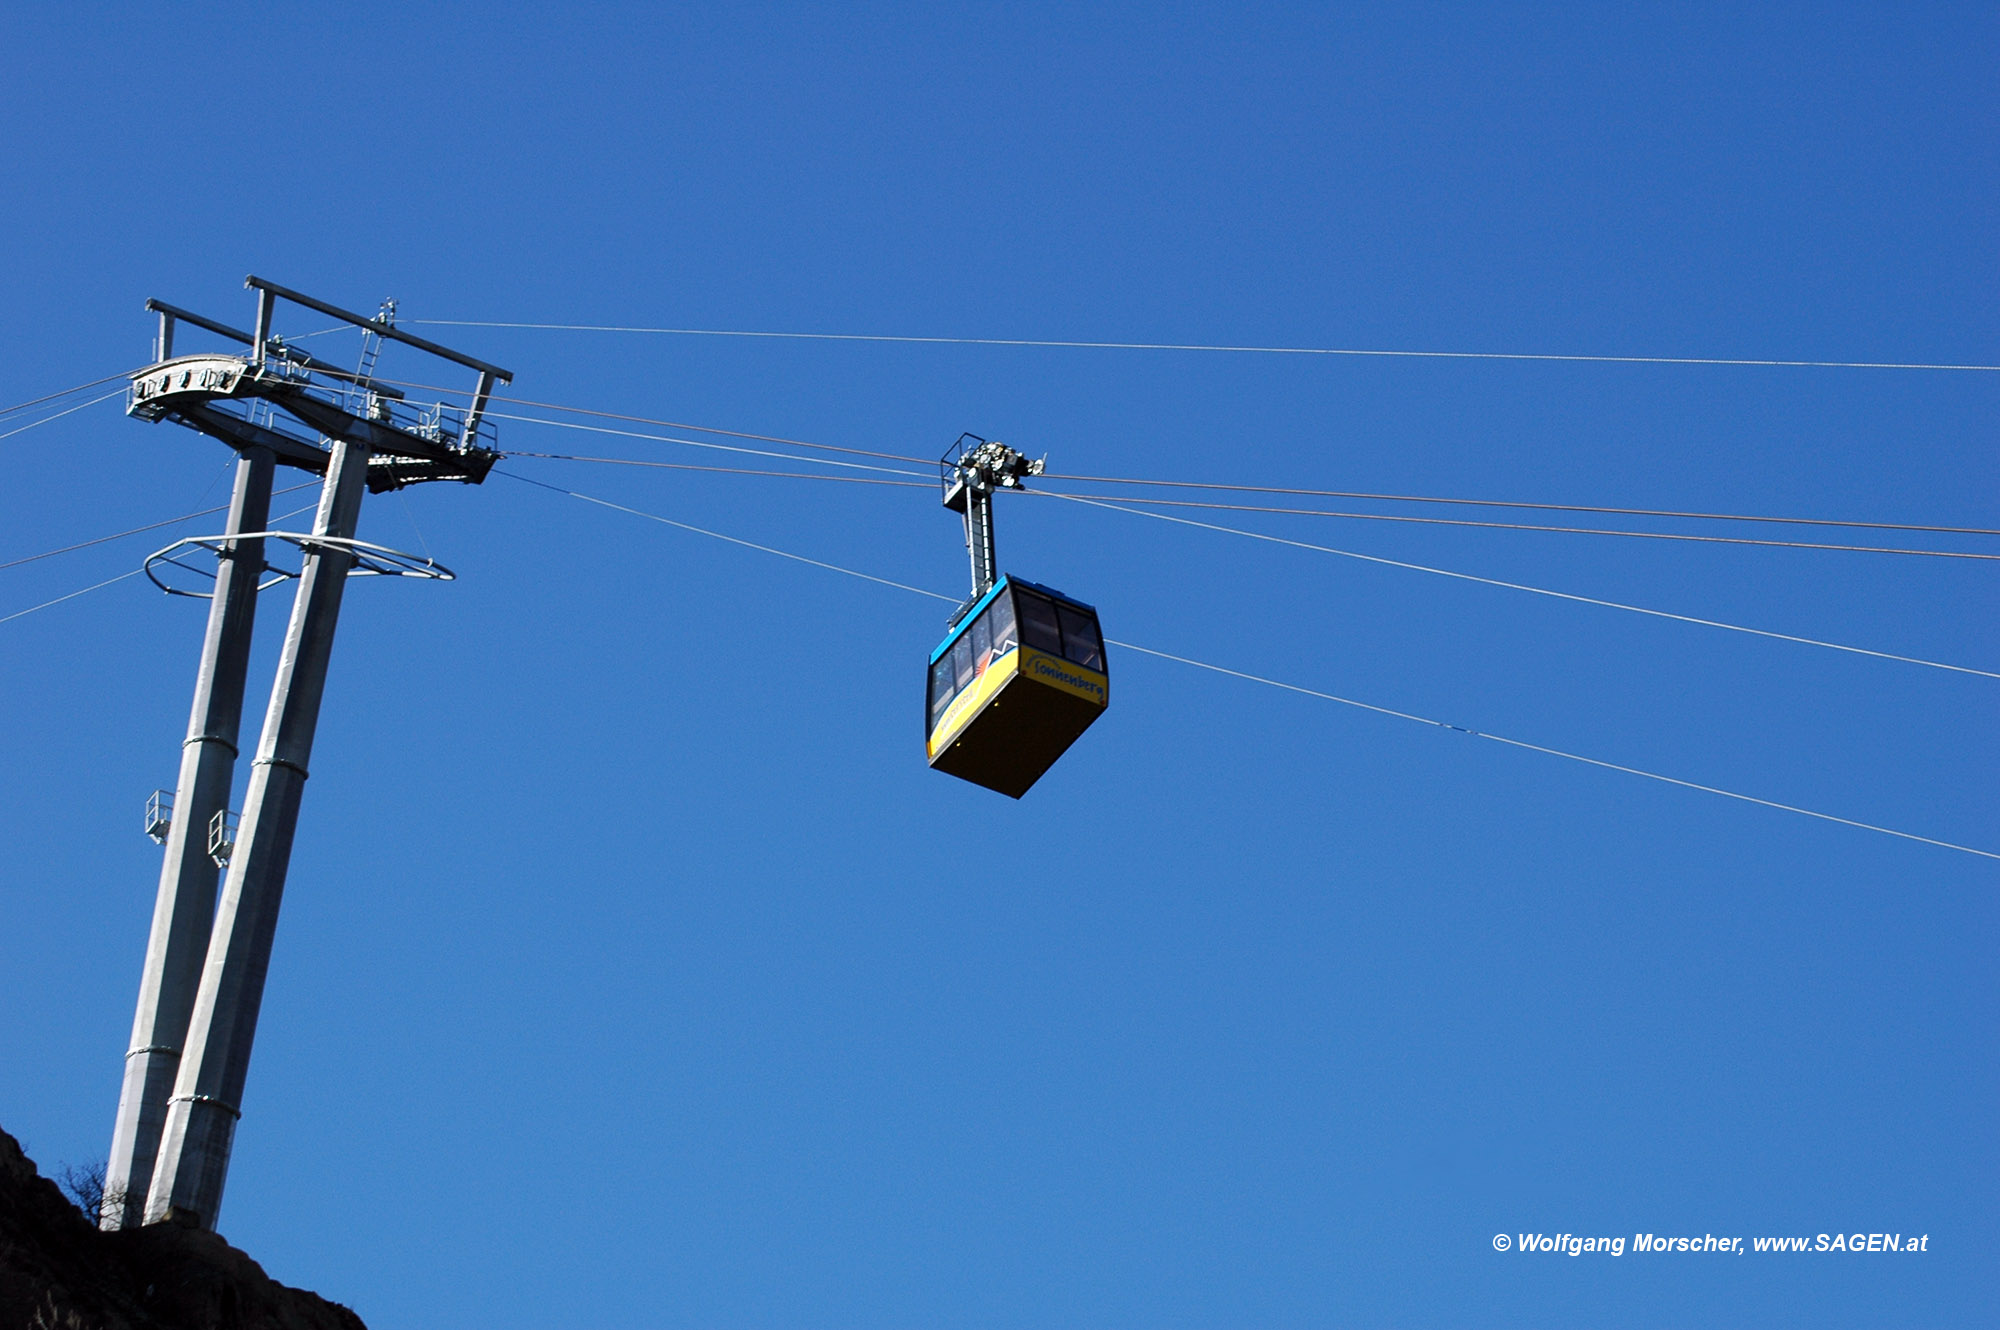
<point x="1043" y="668"/>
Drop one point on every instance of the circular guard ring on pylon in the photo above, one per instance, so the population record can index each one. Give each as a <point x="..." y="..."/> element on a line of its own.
<point x="370" y="560"/>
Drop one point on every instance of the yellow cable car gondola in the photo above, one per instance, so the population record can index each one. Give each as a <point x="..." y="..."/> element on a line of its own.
<point x="1022" y="672"/>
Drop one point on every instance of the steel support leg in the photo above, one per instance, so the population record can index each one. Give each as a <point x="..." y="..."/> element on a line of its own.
<point x="185" y="906"/>
<point x="201" y="1117"/>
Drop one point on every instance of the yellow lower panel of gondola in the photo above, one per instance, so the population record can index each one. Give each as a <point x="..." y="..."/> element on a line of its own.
<point x="969" y="703"/>
<point x="1013" y="723"/>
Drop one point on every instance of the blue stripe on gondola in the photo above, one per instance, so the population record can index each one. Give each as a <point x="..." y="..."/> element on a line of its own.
<point x="987" y="599"/>
<point x="966" y="622"/>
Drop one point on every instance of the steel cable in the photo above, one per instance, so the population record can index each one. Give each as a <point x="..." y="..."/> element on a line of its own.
<point x="67" y="392"/>
<point x="137" y="530"/>
<point x="1520" y="586"/>
<point x="1272" y="489"/>
<point x="1294" y="688"/>
<point x="1535" y="526"/>
<point x="1515" y="503"/>
<point x="1198" y="346"/>
<point x="68" y="411"/>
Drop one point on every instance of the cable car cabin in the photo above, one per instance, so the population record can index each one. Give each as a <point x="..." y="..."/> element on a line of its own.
<point x="1013" y="685"/>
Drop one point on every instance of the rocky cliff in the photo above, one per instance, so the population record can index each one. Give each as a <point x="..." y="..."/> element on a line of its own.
<point x="57" y="1272"/>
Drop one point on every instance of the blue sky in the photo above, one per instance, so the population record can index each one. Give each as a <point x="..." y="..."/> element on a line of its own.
<point x="635" y="971"/>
